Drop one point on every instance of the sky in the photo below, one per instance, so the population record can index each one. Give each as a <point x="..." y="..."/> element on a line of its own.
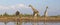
<point x="11" y="6"/>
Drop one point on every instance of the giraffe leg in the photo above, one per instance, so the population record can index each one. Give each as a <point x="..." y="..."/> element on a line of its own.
<point x="35" y="16"/>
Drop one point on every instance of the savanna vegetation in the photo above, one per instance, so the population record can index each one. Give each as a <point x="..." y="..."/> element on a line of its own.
<point x="17" y="13"/>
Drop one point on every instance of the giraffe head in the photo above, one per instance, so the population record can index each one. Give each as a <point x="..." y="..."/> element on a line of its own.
<point x="30" y="5"/>
<point x="46" y="6"/>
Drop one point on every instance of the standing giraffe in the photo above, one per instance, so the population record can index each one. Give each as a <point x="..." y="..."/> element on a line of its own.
<point x="45" y="13"/>
<point x="35" y="12"/>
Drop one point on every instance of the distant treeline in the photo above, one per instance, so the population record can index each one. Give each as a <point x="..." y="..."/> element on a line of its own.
<point x="17" y="13"/>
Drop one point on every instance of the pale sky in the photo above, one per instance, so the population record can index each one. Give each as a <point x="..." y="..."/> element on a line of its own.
<point x="11" y="6"/>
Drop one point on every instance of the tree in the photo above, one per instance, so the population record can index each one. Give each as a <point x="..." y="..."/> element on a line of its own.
<point x="17" y="13"/>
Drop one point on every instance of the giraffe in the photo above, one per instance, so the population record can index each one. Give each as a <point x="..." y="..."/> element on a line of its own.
<point x="35" y="12"/>
<point x="45" y="13"/>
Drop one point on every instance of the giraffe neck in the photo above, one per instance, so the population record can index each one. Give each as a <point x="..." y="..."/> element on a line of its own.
<point x="33" y="9"/>
<point x="45" y="12"/>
